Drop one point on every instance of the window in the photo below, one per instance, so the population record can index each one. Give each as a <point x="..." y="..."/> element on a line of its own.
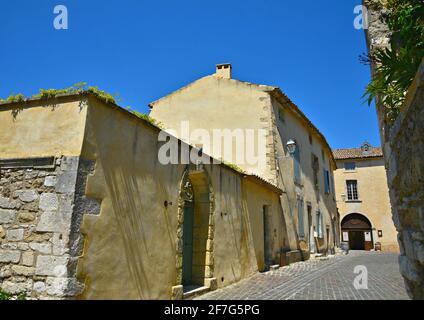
<point x="350" y="166"/>
<point x="327" y="181"/>
<point x="310" y="138"/>
<point x="315" y="168"/>
<point x="320" y="233"/>
<point x="296" y="157"/>
<point x="300" y="220"/>
<point x="281" y="115"/>
<point x="352" y="189"/>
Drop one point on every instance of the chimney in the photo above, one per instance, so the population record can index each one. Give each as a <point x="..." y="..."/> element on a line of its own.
<point x="223" y="70"/>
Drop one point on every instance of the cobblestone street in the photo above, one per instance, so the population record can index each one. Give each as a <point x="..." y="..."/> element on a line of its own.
<point x="329" y="279"/>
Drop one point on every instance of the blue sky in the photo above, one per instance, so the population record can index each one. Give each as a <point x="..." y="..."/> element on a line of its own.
<point x="146" y="49"/>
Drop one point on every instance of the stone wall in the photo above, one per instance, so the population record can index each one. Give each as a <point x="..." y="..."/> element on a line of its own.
<point x="403" y="149"/>
<point x="39" y="201"/>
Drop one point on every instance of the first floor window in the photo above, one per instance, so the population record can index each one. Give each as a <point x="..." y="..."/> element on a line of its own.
<point x="352" y="189"/>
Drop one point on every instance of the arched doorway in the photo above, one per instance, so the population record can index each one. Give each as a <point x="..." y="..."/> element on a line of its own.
<point x="195" y="230"/>
<point x="357" y="230"/>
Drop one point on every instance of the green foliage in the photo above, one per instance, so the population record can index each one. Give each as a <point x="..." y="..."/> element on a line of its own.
<point x="21" y="296"/>
<point x="232" y="166"/>
<point x="16" y="98"/>
<point x="103" y="95"/>
<point x="146" y="118"/>
<point x="4" y="295"/>
<point x="78" y="88"/>
<point x="396" y="66"/>
<point x="8" y="296"/>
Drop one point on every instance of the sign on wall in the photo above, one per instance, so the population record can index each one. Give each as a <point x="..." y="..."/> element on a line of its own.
<point x="367" y="236"/>
<point x="345" y="236"/>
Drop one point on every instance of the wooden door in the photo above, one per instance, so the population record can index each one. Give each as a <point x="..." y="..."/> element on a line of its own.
<point x="188" y="243"/>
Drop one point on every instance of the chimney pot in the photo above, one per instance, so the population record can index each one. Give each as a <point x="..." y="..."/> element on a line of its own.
<point x="223" y="70"/>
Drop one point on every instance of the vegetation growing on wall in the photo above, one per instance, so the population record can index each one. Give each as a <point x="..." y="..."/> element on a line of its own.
<point x="7" y="296"/>
<point x="80" y="88"/>
<point x="397" y="65"/>
<point x="146" y="118"/>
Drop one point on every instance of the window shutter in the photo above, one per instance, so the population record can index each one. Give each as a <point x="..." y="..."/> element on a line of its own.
<point x="300" y="218"/>
<point x="297" y="165"/>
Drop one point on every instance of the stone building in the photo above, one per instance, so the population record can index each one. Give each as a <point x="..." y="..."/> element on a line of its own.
<point x="88" y="212"/>
<point x="363" y="199"/>
<point x="403" y="148"/>
<point x="296" y="156"/>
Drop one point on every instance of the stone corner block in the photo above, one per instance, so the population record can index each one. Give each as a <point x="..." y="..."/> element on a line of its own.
<point x="177" y="292"/>
<point x="51" y="266"/>
<point x="211" y="283"/>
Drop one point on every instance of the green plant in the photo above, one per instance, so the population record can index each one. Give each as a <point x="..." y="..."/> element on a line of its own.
<point x="16" y="98"/>
<point x="397" y="65"/>
<point x="21" y="296"/>
<point x="4" y="295"/>
<point x="146" y="118"/>
<point x="232" y="166"/>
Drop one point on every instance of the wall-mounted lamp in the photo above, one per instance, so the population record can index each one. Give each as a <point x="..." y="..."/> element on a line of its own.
<point x="291" y="146"/>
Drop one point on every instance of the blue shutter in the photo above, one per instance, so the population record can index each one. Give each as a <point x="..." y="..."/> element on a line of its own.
<point x="326" y="181"/>
<point x="300" y="222"/>
<point x="297" y="165"/>
<point x="319" y="224"/>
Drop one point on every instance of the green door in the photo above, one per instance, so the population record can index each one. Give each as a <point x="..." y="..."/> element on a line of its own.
<point x="188" y="242"/>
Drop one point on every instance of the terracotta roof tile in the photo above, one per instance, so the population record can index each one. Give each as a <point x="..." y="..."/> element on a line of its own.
<point x="354" y="153"/>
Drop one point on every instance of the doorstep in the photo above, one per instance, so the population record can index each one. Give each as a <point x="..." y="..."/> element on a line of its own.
<point x="194" y="291"/>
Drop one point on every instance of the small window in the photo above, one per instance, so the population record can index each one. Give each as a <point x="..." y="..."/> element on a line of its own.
<point x="327" y="181"/>
<point x="281" y="115"/>
<point x="352" y="189"/>
<point x="349" y="166"/>
<point x="300" y="219"/>
<point x="315" y="168"/>
<point x="323" y="155"/>
<point x="296" y="158"/>
<point x="310" y="138"/>
<point x="320" y="232"/>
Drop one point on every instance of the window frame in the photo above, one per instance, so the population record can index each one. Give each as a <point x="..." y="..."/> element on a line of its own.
<point x="351" y="185"/>
<point x="349" y="169"/>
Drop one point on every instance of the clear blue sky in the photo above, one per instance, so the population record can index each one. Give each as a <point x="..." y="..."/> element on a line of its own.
<point x="146" y="49"/>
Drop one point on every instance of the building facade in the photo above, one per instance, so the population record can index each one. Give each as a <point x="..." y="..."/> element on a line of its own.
<point x="293" y="154"/>
<point x="87" y="211"/>
<point x="363" y="199"/>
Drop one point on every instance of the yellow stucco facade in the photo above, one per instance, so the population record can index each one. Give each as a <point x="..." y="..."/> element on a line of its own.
<point x="121" y="236"/>
<point x="371" y="200"/>
<point x="217" y="102"/>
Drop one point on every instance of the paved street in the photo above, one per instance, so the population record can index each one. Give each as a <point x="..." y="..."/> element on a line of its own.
<point x="330" y="279"/>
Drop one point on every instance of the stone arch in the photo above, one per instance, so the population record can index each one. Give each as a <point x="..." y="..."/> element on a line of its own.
<point x="195" y="186"/>
<point x="357" y="231"/>
<point x="356" y="221"/>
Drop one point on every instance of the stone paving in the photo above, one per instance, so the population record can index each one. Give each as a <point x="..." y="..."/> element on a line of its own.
<point x="325" y="279"/>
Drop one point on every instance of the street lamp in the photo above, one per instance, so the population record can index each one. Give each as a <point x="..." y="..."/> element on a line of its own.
<point x="291" y="146"/>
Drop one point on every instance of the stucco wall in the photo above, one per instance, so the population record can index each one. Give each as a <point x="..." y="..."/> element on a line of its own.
<point x="373" y="193"/>
<point x="130" y="248"/>
<point x="215" y="103"/>
<point x="119" y="232"/>
<point x="40" y="129"/>
<point x="212" y="102"/>
<point x="290" y="127"/>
